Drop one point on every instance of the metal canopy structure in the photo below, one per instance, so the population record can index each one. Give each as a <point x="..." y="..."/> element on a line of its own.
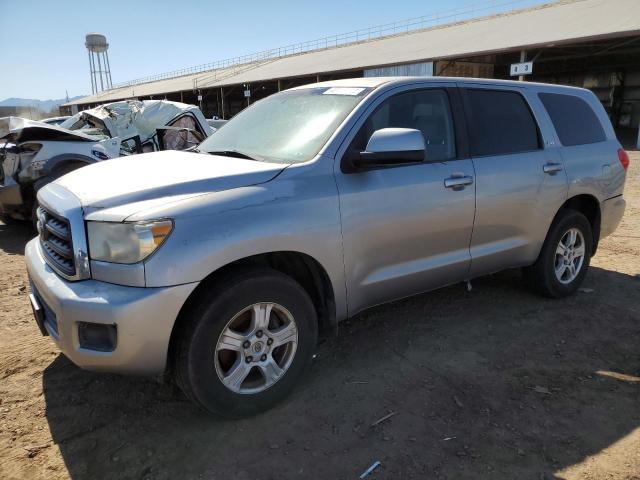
<point x="548" y="25"/>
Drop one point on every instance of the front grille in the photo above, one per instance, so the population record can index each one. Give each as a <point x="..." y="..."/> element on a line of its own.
<point x="56" y="242"/>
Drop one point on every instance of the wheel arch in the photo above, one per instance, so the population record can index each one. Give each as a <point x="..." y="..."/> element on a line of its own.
<point x="303" y="268"/>
<point x="54" y="164"/>
<point x="589" y="206"/>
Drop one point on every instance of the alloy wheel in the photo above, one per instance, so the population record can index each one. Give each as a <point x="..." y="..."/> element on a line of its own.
<point x="570" y="254"/>
<point x="256" y="348"/>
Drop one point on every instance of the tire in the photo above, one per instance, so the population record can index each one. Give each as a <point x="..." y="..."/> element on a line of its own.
<point x="544" y="276"/>
<point x="201" y="363"/>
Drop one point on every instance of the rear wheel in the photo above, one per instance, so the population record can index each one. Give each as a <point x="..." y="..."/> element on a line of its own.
<point x="245" y="343"/>
<point x="564" y="259"/>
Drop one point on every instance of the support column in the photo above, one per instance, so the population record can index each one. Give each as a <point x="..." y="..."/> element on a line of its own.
<point x="100" y="72"/>
<point x="106" y="59"/>
<point x="523" y="58"/>
<point x="222" y="98"/>
<point x="93" y="86"/>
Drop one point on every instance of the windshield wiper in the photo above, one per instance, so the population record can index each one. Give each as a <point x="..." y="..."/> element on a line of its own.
<point x="232" y="153"/>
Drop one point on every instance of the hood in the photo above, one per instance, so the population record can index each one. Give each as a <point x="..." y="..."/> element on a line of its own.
<point x="161" y="177"/>
<point x="16" y="130"/>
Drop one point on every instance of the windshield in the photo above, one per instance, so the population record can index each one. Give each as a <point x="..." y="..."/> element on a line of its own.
<point x="86" y="124"/>
<point x="288" y="127"/>
<point x="71" y="121"/>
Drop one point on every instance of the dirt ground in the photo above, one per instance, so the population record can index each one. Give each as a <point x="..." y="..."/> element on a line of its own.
<point x="492" y="383"/>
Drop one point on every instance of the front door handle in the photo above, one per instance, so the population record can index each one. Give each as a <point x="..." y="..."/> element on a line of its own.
<point x="458" y="183"/>
<point x="552" y="168"/>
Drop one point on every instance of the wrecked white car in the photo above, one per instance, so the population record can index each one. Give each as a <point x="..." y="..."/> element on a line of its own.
<point x="34" y="153"/>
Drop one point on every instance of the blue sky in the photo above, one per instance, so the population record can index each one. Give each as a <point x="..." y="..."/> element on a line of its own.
<point x="42" y="49"/>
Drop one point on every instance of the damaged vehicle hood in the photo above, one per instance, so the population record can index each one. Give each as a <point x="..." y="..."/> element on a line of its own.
<point x="119" y="119"/>
<point x="17" y="129"/>
<point x="133" y="117"/>
<point x="123" y="186"/>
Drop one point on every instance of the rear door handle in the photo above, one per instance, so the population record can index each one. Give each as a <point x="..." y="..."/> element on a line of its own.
<point x="458" y="182"/>
<point x="552" y="168"/>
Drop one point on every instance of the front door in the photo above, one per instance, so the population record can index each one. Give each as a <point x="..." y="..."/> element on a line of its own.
<point x="406" y="229"/>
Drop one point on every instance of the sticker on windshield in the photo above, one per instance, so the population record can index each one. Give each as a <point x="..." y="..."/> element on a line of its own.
<point x="352" y="91"/>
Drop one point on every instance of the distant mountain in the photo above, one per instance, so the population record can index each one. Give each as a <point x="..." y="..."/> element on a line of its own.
<point x="44" y="105"/>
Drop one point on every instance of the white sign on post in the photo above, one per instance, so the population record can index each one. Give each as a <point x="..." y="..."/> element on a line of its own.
<point x="247" y="93"/>
<point x="199" y="98"/>
<point x="525" y="68"/>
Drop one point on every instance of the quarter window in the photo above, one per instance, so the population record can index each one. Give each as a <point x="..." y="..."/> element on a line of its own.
<point x="573" y="118"/>
<point x="500" y="123"/>
<point x="424" y="110"/>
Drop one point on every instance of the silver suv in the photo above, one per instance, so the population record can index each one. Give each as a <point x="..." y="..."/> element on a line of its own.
<point x="220" y="266"/>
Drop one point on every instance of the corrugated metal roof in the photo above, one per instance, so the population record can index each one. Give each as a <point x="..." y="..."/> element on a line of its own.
<point x="557" y="23"/>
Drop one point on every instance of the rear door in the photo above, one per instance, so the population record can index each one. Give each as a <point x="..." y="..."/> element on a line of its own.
<point x="406" y="229"/>
<point x="520" y="180"/>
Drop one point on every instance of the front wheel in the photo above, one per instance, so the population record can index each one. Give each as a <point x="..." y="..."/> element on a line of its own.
<point x="245" y="343"/>
<point x="564" y="259"/>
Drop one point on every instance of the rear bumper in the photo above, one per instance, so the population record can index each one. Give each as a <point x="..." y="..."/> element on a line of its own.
<point x="143" y="317"/>
<point x="611" y="212"/>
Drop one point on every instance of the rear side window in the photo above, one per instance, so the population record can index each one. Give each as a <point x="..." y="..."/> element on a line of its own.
<point x="500" y="123"/>
<point x="574" y="120"/>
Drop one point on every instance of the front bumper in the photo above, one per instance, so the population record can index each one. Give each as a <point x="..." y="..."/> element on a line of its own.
<point x="143" y="317"/>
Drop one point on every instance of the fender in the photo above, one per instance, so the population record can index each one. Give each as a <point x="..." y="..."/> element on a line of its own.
<point x="53" y="162"/>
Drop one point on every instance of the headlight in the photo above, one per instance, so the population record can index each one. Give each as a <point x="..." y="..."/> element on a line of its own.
<point x="126" y="242"/>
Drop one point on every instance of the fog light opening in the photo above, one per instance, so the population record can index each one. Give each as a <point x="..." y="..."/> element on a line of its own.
<point x="97" y="336"/>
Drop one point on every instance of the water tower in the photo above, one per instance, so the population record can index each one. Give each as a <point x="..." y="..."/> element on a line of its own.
<point x="97" y="47"/>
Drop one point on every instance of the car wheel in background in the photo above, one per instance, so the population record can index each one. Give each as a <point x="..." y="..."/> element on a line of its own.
<point x="7" y="220"/>
<point x="62" y="169"/>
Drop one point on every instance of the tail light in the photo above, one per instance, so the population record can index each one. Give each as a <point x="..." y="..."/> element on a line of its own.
<point x="623" y="157"/>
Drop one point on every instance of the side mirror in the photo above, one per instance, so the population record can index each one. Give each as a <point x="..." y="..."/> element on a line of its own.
<point x="392" y="146"/>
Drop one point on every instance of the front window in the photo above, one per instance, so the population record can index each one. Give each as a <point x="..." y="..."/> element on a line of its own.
<point x="288" y="127"/>
<point x="424" y="110"/>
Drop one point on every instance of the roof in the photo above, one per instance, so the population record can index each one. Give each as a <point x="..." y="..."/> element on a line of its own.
<point x="374" y="82"/>
<point x="555" y="23"/>
<point x="367" y="82"/>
